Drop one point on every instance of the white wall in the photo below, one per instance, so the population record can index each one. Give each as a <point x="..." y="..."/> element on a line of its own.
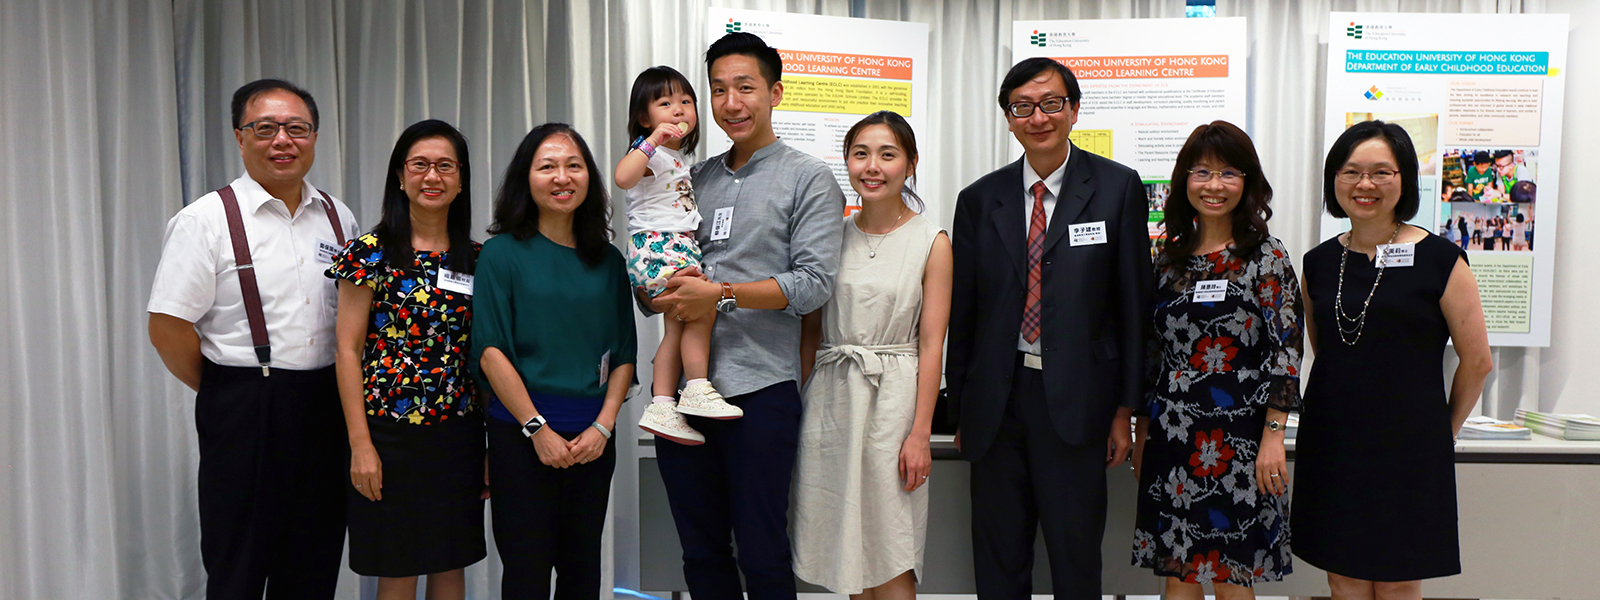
<point x="1569" y="374"/>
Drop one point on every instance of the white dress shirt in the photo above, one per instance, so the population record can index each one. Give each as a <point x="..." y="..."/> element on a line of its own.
<point x="197" y="280"/>
<point x="1052" y="186"/>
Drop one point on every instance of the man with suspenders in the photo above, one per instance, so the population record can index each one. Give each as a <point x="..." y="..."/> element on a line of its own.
<point x="241" y="312"/>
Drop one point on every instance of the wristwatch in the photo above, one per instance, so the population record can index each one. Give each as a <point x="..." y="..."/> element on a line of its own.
<point x="728" y="302"/>
<point x="1274" y="425"/>
<point x="533" y="425"/>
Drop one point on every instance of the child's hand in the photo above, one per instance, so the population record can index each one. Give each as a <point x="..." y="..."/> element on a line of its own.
<point x="667" y="131"/>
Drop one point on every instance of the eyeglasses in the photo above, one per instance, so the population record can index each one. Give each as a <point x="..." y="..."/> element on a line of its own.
<point x="1049" y="106"/>
<point x="1229" y="176"/>
<point x="269" y="129"/>
<point x="1379" y="177"/>
<point x="444" y="166"/>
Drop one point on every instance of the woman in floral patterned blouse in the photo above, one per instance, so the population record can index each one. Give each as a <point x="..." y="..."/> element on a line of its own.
<point x="416" y="431"/>
<point x="1226" y="373"/>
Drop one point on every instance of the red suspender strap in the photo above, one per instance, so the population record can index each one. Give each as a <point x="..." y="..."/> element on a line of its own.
<point x="333" y="217"/>
<point x="247" y="279"/>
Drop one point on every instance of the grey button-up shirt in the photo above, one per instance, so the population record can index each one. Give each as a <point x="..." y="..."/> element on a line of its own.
<point x="786" y="225"/>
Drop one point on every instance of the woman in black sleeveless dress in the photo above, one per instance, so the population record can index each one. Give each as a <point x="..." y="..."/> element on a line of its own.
<point x="1375" y="494"/>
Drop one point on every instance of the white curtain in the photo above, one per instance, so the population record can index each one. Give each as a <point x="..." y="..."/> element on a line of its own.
<point x="114" y="112"/>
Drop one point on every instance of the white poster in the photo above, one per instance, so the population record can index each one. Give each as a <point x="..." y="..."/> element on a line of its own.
<point x="1147" y="83"/>
<point x="1481" y="97"/>
<point x="836" y="70"/>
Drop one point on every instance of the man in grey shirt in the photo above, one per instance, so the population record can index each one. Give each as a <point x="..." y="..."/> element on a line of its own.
<point x="771" y="234"/>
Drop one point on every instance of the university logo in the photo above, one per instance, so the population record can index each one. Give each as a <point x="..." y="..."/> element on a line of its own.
<point x="733" y="26"/>
<point x="1037" y="39"/>
<point x="1373" y="93"/>
<point x="1353" y="30"/>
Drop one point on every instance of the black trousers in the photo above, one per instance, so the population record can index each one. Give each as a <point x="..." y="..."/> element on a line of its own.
<point x="1031" y="480"/>
<point x="272" y="477"/>
<point x="546" y="518"/>
<point x="737" y="485"/>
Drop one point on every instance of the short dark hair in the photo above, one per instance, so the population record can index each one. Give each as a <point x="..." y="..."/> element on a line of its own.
<point x="394" y="227"/>
<point x="249" y="91"/>
<point x="1405" y="156"/>
<point x="1225" y="142"/>
<point x="751" y="45"/>
<point x="516" y="213"/>
<point x="1024" y="71"/>
<point x="903" y="135"/>
<point x="1499" y="154"/>
<point x="1481" y="157"/>
<point x="1524" y="191"/>
<point x="651" y="85"/>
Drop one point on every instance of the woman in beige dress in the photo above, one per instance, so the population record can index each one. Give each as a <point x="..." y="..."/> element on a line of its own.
<point x="871" y="359"/>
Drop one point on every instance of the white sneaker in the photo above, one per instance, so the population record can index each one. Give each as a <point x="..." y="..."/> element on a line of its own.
<point x="702" y="400"/>
<point x="662" y="419"/>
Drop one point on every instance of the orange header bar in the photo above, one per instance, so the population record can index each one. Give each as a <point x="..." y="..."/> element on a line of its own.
<point x="1147" y="67"/>
<point x="803" y="62"/>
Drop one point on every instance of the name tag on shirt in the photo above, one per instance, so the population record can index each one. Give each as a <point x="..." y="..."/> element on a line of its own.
<point x="326" y="250"/>
<point x="605" y="368"/>
<point x="1398" y="255"/>
<point x="722" y="223"/>
<point x="1215" y="290"/>
<point x="1083" y="234"/>
<point x="452" y="281"/>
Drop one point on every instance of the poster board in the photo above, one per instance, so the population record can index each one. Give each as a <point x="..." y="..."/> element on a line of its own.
<point x="1481" y="97"/>
<point x="836" y="70"/>
<point x="1147" y="83"/>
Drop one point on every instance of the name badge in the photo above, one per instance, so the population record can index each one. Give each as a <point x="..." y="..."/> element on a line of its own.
<point x="1215" y="290"/>
<point x="1398" y="255"/>
<point x="605" y="368"/>
<point x="722" y="223"/>
<point x="451" y="281"/>
<point x="1083" y="234"/>
<point x="326" y="251"/>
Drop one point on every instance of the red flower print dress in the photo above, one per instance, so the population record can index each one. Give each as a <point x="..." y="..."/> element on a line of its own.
<point x="1218" y="366"/>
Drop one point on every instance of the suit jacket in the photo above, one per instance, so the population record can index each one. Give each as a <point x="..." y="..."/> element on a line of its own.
<point x="1095" y="300"/>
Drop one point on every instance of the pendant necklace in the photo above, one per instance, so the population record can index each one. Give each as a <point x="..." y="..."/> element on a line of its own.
<point x="1358" y="322"/>
<point x="872" y="250"/>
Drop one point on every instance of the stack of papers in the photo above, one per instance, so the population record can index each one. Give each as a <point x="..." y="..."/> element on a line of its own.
<point x="1564" y="426"/>
<point x="1485" y="428"/>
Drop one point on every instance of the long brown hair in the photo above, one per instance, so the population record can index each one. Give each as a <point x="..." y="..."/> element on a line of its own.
<point x="1225" y="142"/>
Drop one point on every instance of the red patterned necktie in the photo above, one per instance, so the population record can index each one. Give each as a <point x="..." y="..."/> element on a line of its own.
<point x="1030" y="310"/>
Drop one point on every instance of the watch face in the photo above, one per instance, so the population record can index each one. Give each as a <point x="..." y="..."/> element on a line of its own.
<point x="726" y="306"/>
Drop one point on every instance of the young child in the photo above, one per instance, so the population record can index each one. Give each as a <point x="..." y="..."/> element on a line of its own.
<point x="662" y="221"/>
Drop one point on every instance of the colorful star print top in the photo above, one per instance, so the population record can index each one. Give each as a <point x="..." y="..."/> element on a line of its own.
<point x="414" y="368"/>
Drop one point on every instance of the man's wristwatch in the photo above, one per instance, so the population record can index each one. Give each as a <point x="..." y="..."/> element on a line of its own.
<point x="728" y="302"/>
<point x="1274" y="425"/>
<point x="533" y="425"/>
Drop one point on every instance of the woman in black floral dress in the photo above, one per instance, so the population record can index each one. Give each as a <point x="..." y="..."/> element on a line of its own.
<point x="416" y="431"/>
<point x="1226" y="357"/>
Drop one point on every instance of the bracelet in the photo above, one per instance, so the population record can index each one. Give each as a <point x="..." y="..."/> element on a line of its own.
<point x="648" y="149"/>
<point x="603" y="430"/>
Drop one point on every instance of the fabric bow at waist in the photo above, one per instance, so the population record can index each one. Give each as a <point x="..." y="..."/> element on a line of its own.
<point x="869" y="358"/>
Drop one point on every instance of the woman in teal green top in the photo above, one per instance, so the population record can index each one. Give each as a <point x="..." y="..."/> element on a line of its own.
<point x="554" y="339"/>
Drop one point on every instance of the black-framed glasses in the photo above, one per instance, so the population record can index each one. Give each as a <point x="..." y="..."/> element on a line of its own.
<point x="269" y="129"/>
<point x="1378" y="177"/>
<point x="1049" y="106"/>
<point x="1229" y="176"/>
<point x="445" y="166"/>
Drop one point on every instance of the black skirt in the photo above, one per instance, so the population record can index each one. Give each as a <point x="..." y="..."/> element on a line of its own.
<point x="431" y="517"/>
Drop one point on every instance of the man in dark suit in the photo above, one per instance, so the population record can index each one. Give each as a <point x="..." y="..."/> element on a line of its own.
<point x="1052" y="291"/>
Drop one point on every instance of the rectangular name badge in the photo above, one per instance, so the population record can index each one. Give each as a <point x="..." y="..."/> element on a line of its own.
<point x="452" y="281"/>
<point x="1083" y="234"/>
<point x="326" y="251"/>
<point x="1398" y="255"/>
<point x="605" y="368"/>
<point x="722" y="223"/>
<point x="1215" y="290"/>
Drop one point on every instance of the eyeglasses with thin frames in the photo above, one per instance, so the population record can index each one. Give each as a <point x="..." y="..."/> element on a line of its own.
<point x="269" y="129"/>
<point x="445" y="166"/>
<point x="1049" y="106"/>
<point x="1229" y="176"/>
<point x="1379" y="177"/>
